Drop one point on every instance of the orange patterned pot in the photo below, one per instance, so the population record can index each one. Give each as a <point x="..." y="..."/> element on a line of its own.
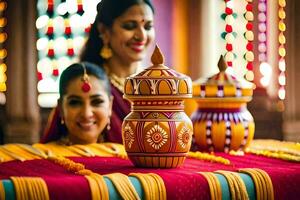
<point x="222" y="121"/>
<point x="157" y="132"/>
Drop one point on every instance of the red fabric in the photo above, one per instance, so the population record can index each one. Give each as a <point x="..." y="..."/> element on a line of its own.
<point x="61" y="184"/>
<point x="181" y="183"/>
<point x="52" y="130"/>
<point x="120" y="109"/>
<point x="285" y="175"/>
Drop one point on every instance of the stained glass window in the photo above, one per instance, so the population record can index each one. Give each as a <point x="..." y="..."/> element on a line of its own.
<point x="62" y="27"/>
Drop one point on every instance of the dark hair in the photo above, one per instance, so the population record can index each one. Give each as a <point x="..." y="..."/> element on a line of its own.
<point x="108" y="11"/>
<point x="77" y="70"/>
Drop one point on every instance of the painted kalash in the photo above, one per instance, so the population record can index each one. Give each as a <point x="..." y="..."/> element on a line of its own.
<point x="157" y="132"/>
<point x="222" y="121"/>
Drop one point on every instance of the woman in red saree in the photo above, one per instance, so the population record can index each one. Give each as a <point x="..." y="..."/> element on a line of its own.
<point x="119" y="39"/>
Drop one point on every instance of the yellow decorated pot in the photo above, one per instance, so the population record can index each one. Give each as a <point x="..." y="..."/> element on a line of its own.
<point x="222" y="121"/>
<point x="157" y="132"/>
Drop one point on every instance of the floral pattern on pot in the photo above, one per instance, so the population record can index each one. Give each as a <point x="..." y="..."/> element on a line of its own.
<point x="157" y="132"/>
<point x="156" y="137"/>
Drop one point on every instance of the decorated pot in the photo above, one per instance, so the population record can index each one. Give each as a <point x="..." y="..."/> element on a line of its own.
<point x="157" y="132"/>
<point x="222" y="121"/>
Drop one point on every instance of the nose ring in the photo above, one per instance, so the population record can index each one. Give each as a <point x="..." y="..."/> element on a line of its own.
<point x="136" y="37"/>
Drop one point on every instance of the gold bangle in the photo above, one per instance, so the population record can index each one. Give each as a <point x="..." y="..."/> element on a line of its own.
<point x="241" y="185"/>
<point x="104" y="193"/>
<point x="30" y="191"/>
<point x="236" y="184"/>
<point x="44" y="189"/>
<point x="262" y="183"/>
<point x="18" y="189"/>
<point x="2" y="191"/>
<point x="144" y="183"/>
<point x="230" y="183"/>
<point x="269" y="183"/>
<point x="152" y="184"/>
<point x="161" y="186"/>
<point x="123" y="185"/>
<point x="95" y="193"/>
<point x="211" y="185"/>
<point x="37" y="190"/>
<point x="258" y="186"/>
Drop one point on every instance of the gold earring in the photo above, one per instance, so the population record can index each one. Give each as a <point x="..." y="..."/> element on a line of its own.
<point x="108" y="125"/>
<point x="106" y="52"/>
<point x="62" y="121"/>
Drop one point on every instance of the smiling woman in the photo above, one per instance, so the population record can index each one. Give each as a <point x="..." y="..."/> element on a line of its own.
<point x="119" y="39"/>
<point x="84" y="105"/>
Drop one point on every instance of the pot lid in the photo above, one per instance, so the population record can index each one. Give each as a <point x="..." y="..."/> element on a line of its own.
<point x="158" y="81"/>
<point x="222" y="84"/>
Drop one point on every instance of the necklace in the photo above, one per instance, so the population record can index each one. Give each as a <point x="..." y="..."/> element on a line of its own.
<point x="65" y="141"/>
<point x="116" y="81"/>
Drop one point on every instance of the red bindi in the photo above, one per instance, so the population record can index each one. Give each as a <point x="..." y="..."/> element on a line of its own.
<point x="86" y="86"/>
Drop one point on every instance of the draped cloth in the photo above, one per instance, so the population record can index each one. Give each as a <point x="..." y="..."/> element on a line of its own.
<point x="54" y="129"/>
<point x="121" y="107"/>
<point x="181" y="183"/>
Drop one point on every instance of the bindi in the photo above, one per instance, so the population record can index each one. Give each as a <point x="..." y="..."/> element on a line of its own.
<point x="86" y="86"/>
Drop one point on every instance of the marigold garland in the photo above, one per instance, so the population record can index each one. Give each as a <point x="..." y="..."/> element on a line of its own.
<point x="278" y="155"/>
<point x="208" y="157"/>
<point x="99" y="188"/>
<point x="275" y="149"/>
<point x="236" y="153"/>
<point x="69" y="165"/>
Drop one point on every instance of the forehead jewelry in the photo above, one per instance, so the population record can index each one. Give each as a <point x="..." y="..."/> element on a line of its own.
<point x="86" y="86"/>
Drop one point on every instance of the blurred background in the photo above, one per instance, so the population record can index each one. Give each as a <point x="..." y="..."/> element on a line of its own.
<point x="259" y="40"/>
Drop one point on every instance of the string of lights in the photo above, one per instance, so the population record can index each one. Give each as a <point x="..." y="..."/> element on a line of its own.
<point x="281" y="49"/>
<point x="264" y="67"/>
<point x="229" y="35"/>
<point x="249" y="37"/>
<point x="62" y="29"/>
<point x="3" y="52"/>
